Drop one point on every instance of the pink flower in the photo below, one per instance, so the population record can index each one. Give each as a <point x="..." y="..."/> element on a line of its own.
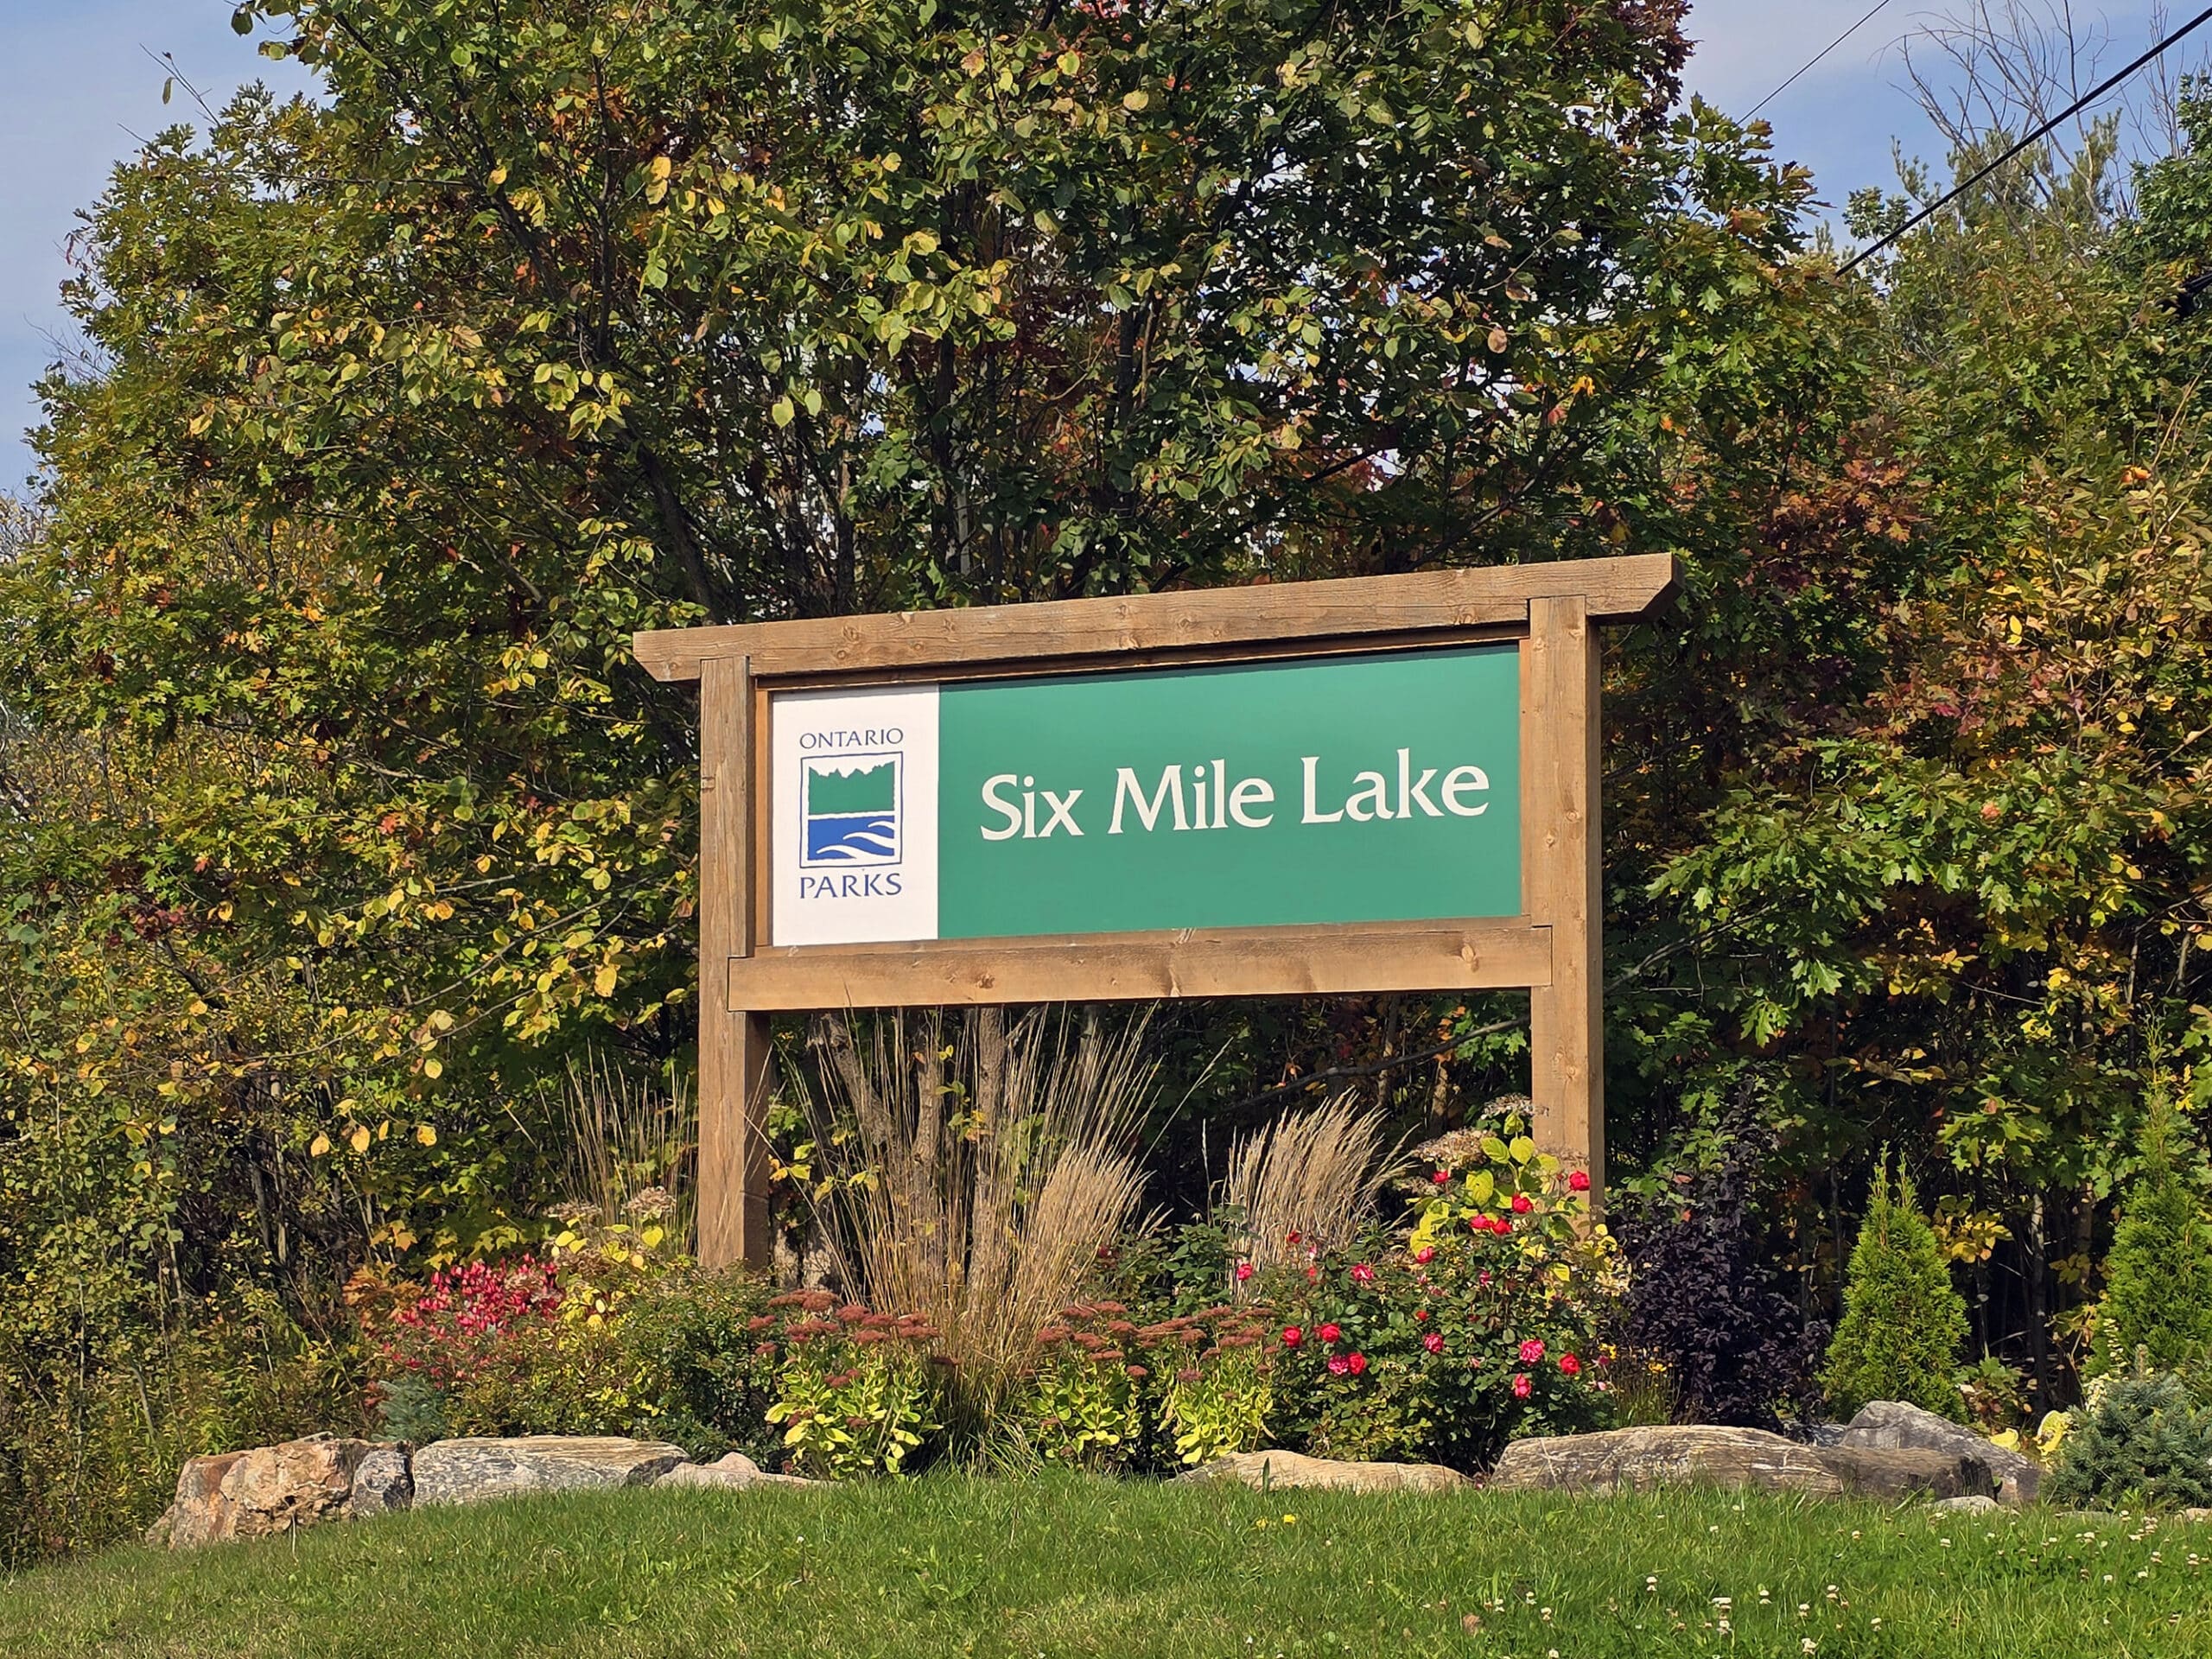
<point x="1327" y="1332"/>
<point x="1426" y="1255"/>
<point x="1433" y="1342"/>
<point x="1520" y="1204"/>
<point x="1292" y="1336"/>
<point x="1363" y="1274"/>
<point x="1338" y="1364"/>
<point x="1243" y="1271"/>
<point x="1441" y="1176"/>
<point x="1579" y="1182"/>
<point x="1478" y="1224"/>
<point x="1357" y="1363"/>
<point x="1521" y="1385"/>
<point x="1531" y="1352"/>
<point x="1569" y="1364"/>
<point x="1483" y="1278"/>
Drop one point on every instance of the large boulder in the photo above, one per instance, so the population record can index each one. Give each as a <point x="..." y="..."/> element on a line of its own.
<point x="732" y="1473"/>
<point x="270" y="1489"/>
<point x="1892" y="1425"/>
<point x="1641" y="1459"/>
<point x="478" y="1470"/>
<point x="1269" y="1470"/>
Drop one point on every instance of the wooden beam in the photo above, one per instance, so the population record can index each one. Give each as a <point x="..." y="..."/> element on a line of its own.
<point x="1433" y="603"/>
<point x="732" y="1175"/>
<point x="1562" y="876"/>
<point x="1465" y="955"/>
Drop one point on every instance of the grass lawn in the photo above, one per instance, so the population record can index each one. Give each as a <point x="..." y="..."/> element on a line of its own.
<point x="946" y="1565"/>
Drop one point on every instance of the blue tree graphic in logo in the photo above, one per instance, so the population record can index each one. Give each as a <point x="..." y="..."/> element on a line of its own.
<point x="851" y="809"/>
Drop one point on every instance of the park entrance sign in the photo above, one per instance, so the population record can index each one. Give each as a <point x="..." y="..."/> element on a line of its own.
<point x="1352" y="789"/>
<point x="1386" y="784"/>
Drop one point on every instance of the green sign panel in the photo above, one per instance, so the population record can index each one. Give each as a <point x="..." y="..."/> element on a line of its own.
<point x="1354" y="788"/>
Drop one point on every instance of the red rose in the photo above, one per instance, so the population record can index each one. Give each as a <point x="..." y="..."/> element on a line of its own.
<point x="1424" y="1255"/>
<point x="1433" y="1342"/>
<point x="1579" y="1182"/>
<point x="1520" y="1204"/>
<point x="1292" y="1336"/>
<point x="1420" y="1315"/>
<point x="1363" y="1274"/>
<point x="1327" y="1332"/>
<point x="1521" y="1385"/>
<point x="1569" y="1364"/>
<point x="1441" y="1176"/>
<point x="1243" y="1271"/>
<point x="1357" y="1363"/>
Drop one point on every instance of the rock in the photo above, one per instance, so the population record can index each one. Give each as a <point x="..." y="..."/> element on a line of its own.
<point x="1974" y="1504"/>
<point x="1265" y="1470"/>
<point x="1907" y="1471"/>
<point x="1640" y="1458"/>
<point x="1893" y="1424"/>
<point x="731" y="1473"/>
<point x="270" y="1489"/>
<point x="478" y="1470"/>
<point x="383" y="1481"/>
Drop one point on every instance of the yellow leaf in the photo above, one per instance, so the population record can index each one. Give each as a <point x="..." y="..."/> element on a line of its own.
<point x="1135" y="101"/>
<point x="319" y="1145"/>
<point x="426" y="1135"/>
<point x="603" y="982"/>
<point x="359" y="1138"/>
<point x="433" y="1069"/>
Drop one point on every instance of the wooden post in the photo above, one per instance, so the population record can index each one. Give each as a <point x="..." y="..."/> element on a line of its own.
<point x="733" y="1177"/>
<point x="1567" y="1048"/>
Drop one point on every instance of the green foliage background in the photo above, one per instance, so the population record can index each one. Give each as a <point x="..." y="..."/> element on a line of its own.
<point x="334" y="818"/>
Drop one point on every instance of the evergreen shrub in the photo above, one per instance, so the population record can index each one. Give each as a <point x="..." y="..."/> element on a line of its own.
<point x="2142" y="1440"/>
<point x="2158" y="1299"/>
<point x="1903" y="1321"/>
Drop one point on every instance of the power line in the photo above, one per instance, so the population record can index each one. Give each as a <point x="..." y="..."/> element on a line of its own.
<point x="2043" y="132"/>
<point x="1879" y="6"/>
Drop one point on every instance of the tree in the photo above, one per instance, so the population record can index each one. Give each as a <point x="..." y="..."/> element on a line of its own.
<point x="1903" y="1321"/>
<point x="559" y="320"/>
<point x="2157" y="1307"/>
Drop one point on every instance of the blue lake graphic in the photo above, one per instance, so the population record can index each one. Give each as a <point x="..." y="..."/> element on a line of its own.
<point x="852" y="838"/>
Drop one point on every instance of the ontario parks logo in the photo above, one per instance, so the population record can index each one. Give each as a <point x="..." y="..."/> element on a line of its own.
<point x="851" y="809"/>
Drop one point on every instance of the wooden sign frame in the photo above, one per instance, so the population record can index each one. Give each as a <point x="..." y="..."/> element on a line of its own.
<point x="1554" y="950"/>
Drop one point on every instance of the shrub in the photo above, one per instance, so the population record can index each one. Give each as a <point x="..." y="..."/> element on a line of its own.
<point x="856" y="1391"/>
<point x="2158" y="1297"/>
<point x="1479" y="1327"/>
<point x="1218" y="1392"/>
<point x="1082" y="1404"/>
<point x="605" y="1335"/>
<point x="1703" y="1300"/>
<point x="1904" y="1322"/>
<point x="2141" y="1439"/>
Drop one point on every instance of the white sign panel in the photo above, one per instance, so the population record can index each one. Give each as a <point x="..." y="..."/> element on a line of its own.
<point x="853" y="841"/>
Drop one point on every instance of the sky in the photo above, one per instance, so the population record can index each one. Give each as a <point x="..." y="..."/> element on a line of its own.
<point x="80" y="88"/>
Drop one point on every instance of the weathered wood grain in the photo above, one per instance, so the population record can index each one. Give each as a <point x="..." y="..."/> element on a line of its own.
<point x="1433" y="602"/>
<point x="1468" y="955"/>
